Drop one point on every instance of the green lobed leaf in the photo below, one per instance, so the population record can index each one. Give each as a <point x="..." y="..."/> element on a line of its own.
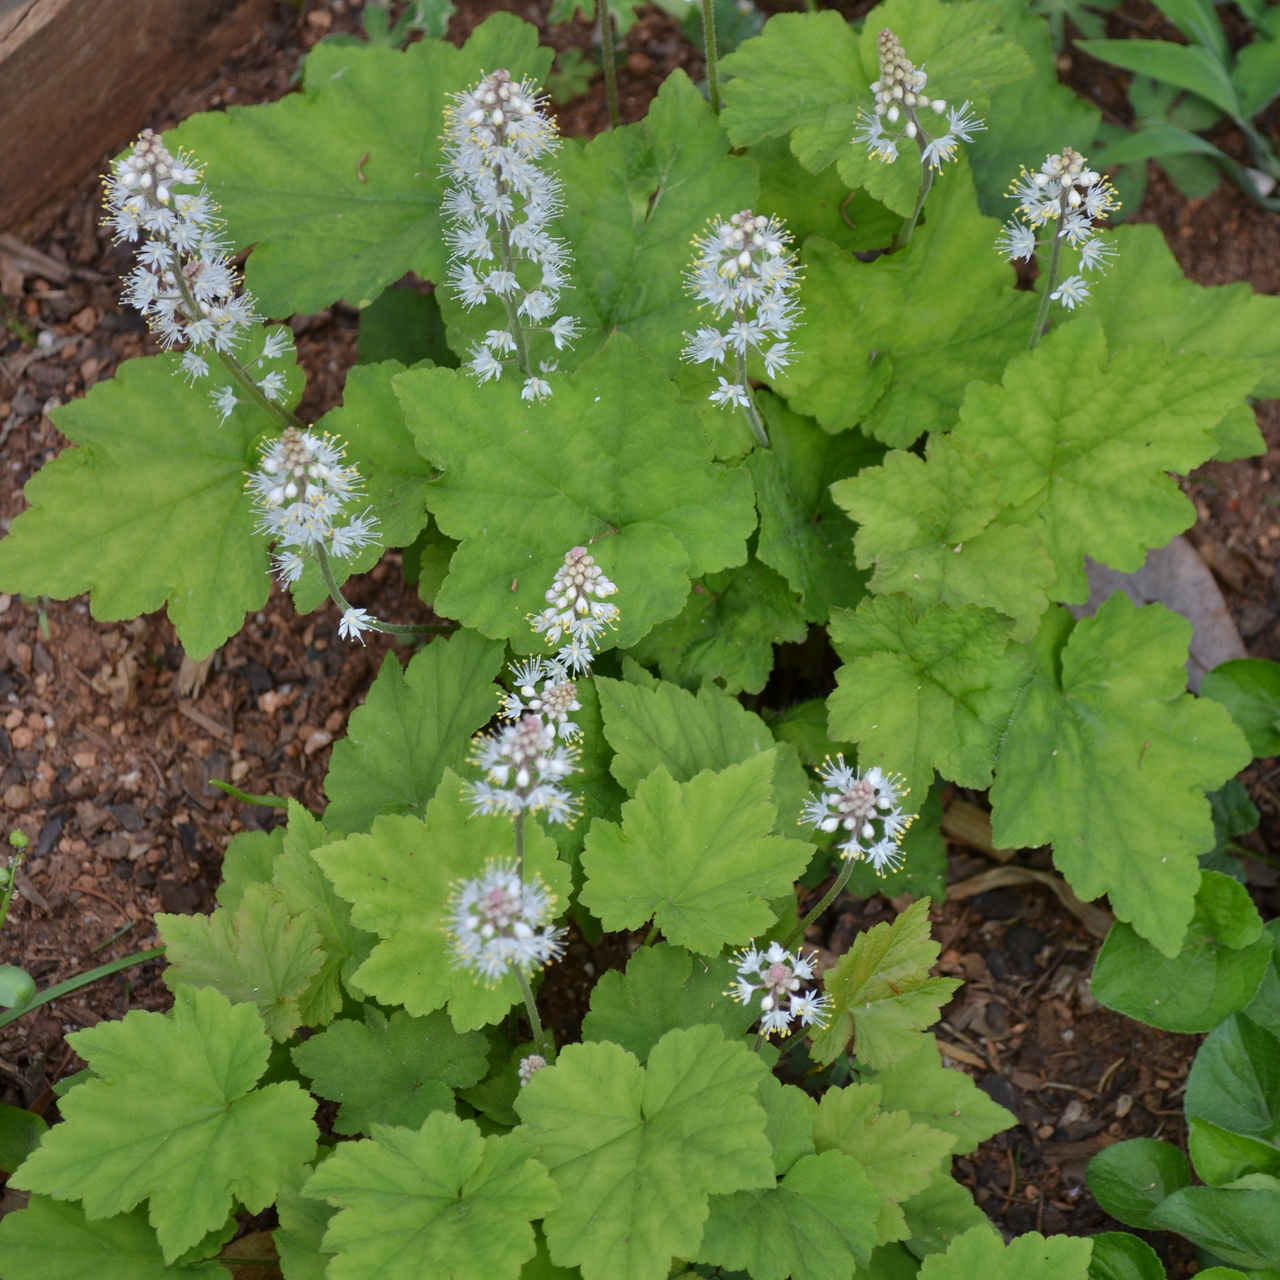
<point x="49" y="1240"/>
<point x="981" y="1252"/>
<point x="635" y="1151"/>
<point x="924" y="689"/>
<point x="663" y="989"/>
<point x="1117" y="1255"/>
<point x="1028" y="119"/>
<point x="289" y="174"/>
<point x="893" y="1262"/>
<point x="803" y="533"/>
<point x="633" y="197"/>
<point x="249" y="859"/>
<point x="882" y="993"/>
<point x="648" y="725"/>
<point x="614" y="460"/>
<point x="393" y="1070"/>
<point x="1131" y="1178"/>
<point x="150" y="507"/>
<point x="1250" y="689"/>
<point x="694" y="857"/>
<point x="1240" y="1226"/>
<point x="259" y="955"/>
<point x="924" y="858"/>
<point x="1238" y="435"/>
<point x="1085" y="469"/>
<point x="371" y="425"/>
<point x="1108" y="758"/>
<point x="438" y="1200"/>
<point x="1217" y="972"/>
<point x="890" y="345"/>
<point x="300" y="1235"/>
<point x="413" y="726"/>
<point x="818" y="1223"/>
<point x="900" y="1157"/>
<point x="726" y="631"/>
<point x="940" y="1214"/>
<point x="928" y="529"/>
<point x="172" y="1115"/>
<point x="941" y="1097"/>
<point x="304" y="890"/>
<point x="789" y="1129"/>
<point x="398" y="879"/>
<point x="1144" y="297"/>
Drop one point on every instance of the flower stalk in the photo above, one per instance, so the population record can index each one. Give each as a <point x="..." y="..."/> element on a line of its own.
<point x="713" y="54"/>
<point x="610" y="64"/>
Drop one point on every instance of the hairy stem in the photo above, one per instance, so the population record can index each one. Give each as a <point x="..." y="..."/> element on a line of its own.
<point x="541" y="1040"/>
<point x="908" y="228"/>
<point x="1051" y="280"/>
<point x="754" y="420"/>
<point x="827" y="899"/>
<point x="519" y="830"/>
<point x="80" y="980"/>
<point x="236" y="369"/>
<point x="610" y="67"/>
<point x="508" y="299"/>
<point x="374" y="624"/>
<point x="713" y="54"/>
<point x="759" y="1040"/>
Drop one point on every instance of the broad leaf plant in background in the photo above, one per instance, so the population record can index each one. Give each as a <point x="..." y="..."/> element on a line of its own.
<point x="711" y="381"/>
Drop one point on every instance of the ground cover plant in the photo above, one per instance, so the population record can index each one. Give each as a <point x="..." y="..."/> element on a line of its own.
<point x="685" y="414"/>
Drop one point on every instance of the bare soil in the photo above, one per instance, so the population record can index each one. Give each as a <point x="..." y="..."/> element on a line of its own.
<point x="107" y="748"/>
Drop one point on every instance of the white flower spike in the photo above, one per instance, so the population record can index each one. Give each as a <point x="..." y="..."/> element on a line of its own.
<point x="551" y="704"/>
<point x="501" y="204"/>
<point x="745" y="271"/>
<point x="1074" y="198"/>
<point x="498" y="923"/>
<point x="304" y="494"/>
<point x="185" y="283"/>
<point x="867" y="806"/>
<point x="901" y="101"/>
<point x="355" y="622"/>
<point x="524" y="765"/>
<point x="776" y="976"/>
<point x="534" y="1062"/>
<point x="573" y="612"/>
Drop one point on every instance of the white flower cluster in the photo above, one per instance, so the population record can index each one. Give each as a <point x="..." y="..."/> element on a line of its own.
<point x="867" y="806"/>
<point x="744" y="269"/>
<point x="573" y="613"/>
<point x="1067" y="192"/>
<point x="501" y="205"/>
<point x="184" y="284"/>
<point x="551" y="704"/>
<point x="498" y="923"/>
<point x="779" y="975"/>
<point x="524" y="765"/>
<point x="304" y="493"/>
<point x="899" y="97"/>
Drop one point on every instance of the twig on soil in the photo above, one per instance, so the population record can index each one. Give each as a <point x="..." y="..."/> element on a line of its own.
<point x="205" y="722"/>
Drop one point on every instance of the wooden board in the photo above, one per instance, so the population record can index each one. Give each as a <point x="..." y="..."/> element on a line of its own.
<point x="78" y="77"/>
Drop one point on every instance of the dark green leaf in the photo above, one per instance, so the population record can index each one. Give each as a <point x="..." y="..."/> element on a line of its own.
<point x="1235" y="1080"/>
<point x="1242" y="1227"/>
<point x="1131" y="1178"/>
<point x="404" y="325"/>
<point x="1250" y="689"/>
<point x="1217" y="971"/>
<point x="1117" y="1255"/>
<point x="20" y="1133"/>
<point x="1193" y="68"/>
